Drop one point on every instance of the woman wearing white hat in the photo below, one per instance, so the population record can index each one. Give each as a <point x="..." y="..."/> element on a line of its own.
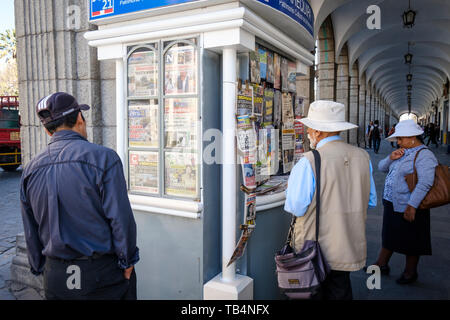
<point x="406" y="229"/>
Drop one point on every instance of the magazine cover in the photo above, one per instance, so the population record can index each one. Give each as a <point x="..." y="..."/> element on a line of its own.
<point x="270" y="68"/>
<point x="143" y="172"/>
<point x="143" y="123"/>
<point x="262" y="62"/>
<point x="287" y="111"/>
<point x="181" y="174"/>
<point x="180" y="70"/>
<point x="244" y="102"/>
<point x="254" y="67"/>
<point x="284" y="75"/>
<point x="277" y="71"/>
<point x="258" y="100"/>
<point x="268" y="107"/>
<point x="277" y="109"/>
<point x="181" y="123"/>
<point x="292" y="76"/>
<point x="142" y="74"/>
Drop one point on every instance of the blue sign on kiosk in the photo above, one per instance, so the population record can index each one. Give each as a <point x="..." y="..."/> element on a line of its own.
<point x="109" y="8"/>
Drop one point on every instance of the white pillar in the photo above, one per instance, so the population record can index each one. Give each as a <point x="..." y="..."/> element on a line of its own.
<point x="228" y="285"/>
<point x="120" y="111"/>
<point x="229" y="182"/>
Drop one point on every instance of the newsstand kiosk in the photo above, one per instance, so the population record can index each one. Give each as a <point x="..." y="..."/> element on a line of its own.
<point x="205" y="104"/>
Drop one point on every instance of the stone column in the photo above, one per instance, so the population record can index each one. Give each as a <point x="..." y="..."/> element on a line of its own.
<point x="354" y="97"/>
<point x="326" y="66"/>
<point x="362" y="122"/>
<point x="343" y="85"/>
<point x="53" y="56"/>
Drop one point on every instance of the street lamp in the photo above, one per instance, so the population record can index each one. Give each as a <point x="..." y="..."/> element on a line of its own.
<point x="409" y="17"/>
<point x="408" y="58"/>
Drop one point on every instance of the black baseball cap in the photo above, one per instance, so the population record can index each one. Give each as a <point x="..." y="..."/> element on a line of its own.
<point x="59" y="105"/>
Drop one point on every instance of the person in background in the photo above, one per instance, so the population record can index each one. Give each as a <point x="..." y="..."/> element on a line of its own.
<point x="406" y="229"/>
<point x="347" y="190"/>
<point x="376" y="136"/>
<point x="79" y="228"/>
<point x="391" y="132"/>
<point x="368" y="133"/>
<point x="432" y="136"/>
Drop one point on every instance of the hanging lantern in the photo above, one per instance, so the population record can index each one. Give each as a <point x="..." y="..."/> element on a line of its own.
<point x="409" y="77"/>
<point x="409" y="87"/>
<point x="408" y="58"/>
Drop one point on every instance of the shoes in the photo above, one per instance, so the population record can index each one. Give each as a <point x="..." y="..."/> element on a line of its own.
<point x="404" y="280"/>
<point x="383" y="269"/>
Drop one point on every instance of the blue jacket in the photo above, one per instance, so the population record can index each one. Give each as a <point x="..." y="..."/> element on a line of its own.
<point x="396" y="188"/>
<point x="74" y="203"/>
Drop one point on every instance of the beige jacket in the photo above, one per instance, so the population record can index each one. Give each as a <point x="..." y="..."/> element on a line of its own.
<point x="345" y="192"/>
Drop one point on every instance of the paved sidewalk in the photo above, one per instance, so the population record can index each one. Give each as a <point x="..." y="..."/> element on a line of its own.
<point x="433" y="281"/>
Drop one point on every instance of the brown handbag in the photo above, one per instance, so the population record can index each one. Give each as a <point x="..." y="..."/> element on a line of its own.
<point x="439" y="193"/>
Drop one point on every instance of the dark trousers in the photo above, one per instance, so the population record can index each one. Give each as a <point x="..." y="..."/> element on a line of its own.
<point x="376" y="144"/>
<point x="337" y="286"/>
<point x="92" y="279"/>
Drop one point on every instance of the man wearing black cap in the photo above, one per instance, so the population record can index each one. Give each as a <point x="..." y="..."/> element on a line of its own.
<point x="79" y="226"/>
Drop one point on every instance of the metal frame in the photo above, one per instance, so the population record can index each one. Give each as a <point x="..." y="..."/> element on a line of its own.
<point x="161" y="47"/>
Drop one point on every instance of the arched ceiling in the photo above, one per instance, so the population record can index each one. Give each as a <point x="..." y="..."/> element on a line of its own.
<point x="380" y="53"/>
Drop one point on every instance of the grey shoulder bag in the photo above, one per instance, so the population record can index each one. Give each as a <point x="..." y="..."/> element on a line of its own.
<point x="300" y="274"/>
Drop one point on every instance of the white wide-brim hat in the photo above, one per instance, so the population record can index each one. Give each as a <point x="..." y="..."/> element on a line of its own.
<point x="406" y="128"/>
<point x="327" y="116"/>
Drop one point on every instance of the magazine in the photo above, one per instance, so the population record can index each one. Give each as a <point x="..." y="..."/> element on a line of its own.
<point x="255" y="76"/>
<point x="258" y="100"/>
<point x="262" y="62"/>
<point x="292" y="76"/>
<point x="268" y="107"/>
<point x="284" y="75"/>
<point x="270" y="67"/>
<point x="277" y="71"/>
<point x="277" y="109"/>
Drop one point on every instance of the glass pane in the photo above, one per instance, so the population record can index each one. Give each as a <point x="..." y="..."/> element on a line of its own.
<point x="143" y="171"/>
<point x="181" y="174"/>
<point x="180" y="70"/>
<point x="181" y="123"/>
<point x="143" y="123"/>
<point x="143" y="73"/>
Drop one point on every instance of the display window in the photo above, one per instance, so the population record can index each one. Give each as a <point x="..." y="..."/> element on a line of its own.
<point x="163" y="119"/>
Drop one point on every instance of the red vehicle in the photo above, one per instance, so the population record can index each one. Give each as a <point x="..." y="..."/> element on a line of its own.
<point x="10" y="156"/>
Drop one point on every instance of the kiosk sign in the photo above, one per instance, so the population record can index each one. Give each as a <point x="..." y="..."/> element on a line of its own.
<point x="110" y="8"/>
<point x="299" y="10"/>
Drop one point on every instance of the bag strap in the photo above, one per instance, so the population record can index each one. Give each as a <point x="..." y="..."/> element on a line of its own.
<point x="294" y="218"/>
<point x="317" y="162"/>
<point x="414" y="164"/>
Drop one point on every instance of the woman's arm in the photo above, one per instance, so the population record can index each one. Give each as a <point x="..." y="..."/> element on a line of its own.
<point x="425" y="165"/>
<point x="384" y="164"/>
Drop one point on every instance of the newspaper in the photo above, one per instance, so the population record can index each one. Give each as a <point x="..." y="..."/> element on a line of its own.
<point x="143" y="123"/>
<point x="181" y="174"/>
<point x="181" y="123"/>
<point x="244" y="102"/>
<point x="268" y="107"/>
<point x="143" y="74"/>
<point x="258" y="100"/>
<point x="143" y="171"/>
<point x="180" y="75"/>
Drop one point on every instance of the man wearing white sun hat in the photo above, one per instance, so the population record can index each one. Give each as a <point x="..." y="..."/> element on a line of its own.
<point x="347" y="190"/>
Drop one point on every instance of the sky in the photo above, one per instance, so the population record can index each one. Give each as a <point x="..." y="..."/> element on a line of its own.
<point x="6" y="15"/>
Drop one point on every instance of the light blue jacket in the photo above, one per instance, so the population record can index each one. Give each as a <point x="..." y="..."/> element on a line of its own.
<point x="425" y="165"/>
<point x="302" y="185"/>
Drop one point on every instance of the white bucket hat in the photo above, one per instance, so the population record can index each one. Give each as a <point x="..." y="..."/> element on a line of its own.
<point x="406" y="128"/>
<point x="327" y="116"/>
